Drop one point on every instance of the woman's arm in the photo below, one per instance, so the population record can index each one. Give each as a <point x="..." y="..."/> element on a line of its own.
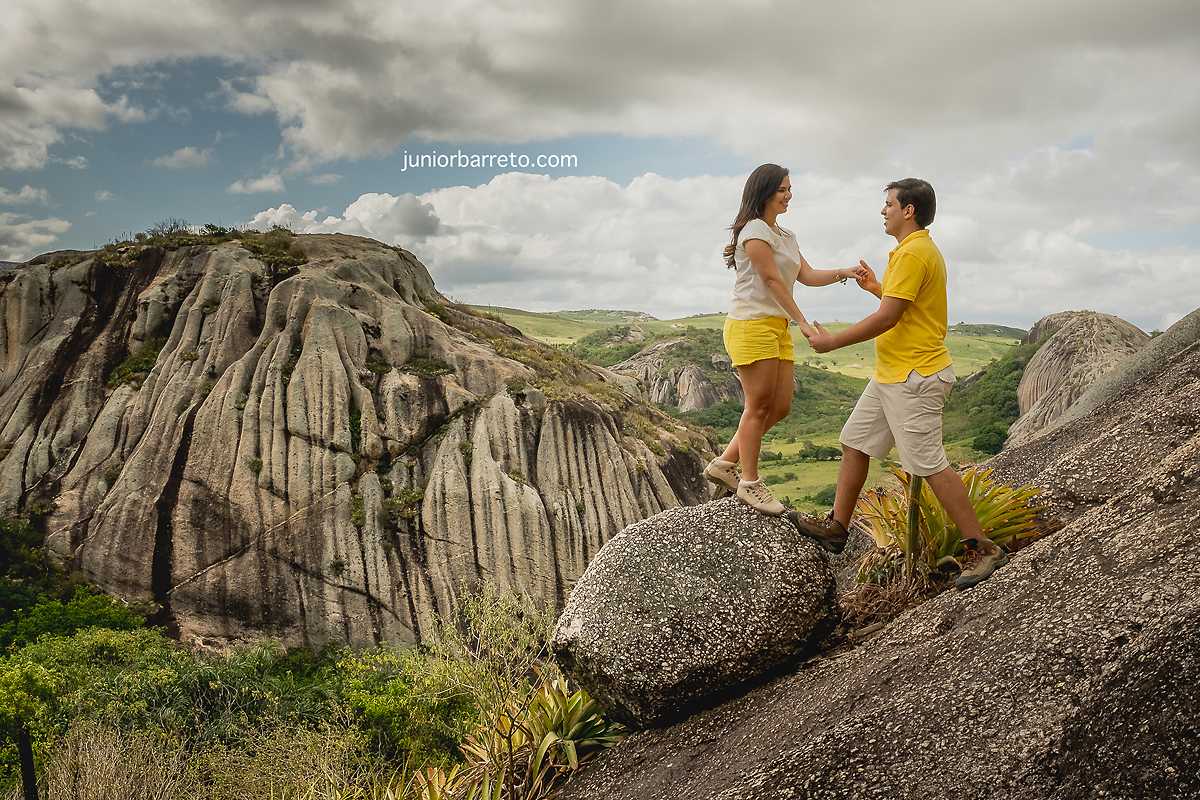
<point x="762" y="258"/>
<point x="823" y="277"/>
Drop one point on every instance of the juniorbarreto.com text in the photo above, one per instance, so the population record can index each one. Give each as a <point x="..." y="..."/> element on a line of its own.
<point x="487" y="160"/>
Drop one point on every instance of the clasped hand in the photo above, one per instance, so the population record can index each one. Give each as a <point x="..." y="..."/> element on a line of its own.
<point x="822" y="340"/>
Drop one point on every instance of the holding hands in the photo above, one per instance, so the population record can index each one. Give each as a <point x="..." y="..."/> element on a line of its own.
<point x="866" y="278"/>
<point x="822" y="340"/>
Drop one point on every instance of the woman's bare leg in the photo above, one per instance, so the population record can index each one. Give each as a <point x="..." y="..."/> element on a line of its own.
<point x="767" y="385"/>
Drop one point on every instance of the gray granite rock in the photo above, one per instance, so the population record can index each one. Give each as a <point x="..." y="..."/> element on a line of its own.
<point x="1074" y="672"/>
<point x="1085" y="346"/>
<point x="331" y="453"/>
<point x="691" y="605"/>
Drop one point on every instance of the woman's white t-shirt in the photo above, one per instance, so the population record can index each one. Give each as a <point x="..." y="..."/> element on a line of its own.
<point x="751" y="298"/>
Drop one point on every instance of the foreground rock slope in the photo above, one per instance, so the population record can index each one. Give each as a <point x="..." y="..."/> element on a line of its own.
<point x="327" y="452"/>
<point x="1074" y="672"/>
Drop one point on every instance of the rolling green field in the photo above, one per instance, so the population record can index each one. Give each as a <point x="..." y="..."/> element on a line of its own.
<point x="567" y="327"/>
<point x="971" y="346"/>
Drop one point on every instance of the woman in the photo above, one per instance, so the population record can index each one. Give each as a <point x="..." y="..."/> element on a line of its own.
<point x="757" y="336"/>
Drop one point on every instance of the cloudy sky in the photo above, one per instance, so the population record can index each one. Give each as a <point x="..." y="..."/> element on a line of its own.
<point x="1063" y="137"/>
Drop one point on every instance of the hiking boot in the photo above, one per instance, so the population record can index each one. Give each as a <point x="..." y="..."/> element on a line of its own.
<point x="756" y="495"/>
<point x="828" y="532"/>
<point x="980" y="564"/>
<point x="724" y="477"/>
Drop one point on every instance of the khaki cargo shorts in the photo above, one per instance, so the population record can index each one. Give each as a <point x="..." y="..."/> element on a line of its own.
<point x="907" y="415"/>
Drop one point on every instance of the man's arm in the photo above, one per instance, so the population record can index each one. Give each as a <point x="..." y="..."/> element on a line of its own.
<point x="891" y="309"/>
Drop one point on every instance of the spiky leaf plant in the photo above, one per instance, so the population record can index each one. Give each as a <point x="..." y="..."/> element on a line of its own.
<point x="1005" y="512"/>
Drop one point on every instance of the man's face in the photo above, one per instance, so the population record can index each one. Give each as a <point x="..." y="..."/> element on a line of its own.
<point x="893" y="215"/>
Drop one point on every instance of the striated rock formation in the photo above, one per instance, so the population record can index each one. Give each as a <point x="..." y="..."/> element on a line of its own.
<point x="1073" y="672"/>
<point x="686" y="607"/>
<point x="322" y="453"/>
<point x="683" y="385"/>
<point x="1085" y="345"/>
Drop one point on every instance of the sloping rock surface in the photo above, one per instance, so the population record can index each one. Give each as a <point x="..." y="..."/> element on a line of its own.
<point x="685" y="607"/>
<point x="326" y="453"/>
<point x="1085" y="346"/>
<point x="1071" y="673"/>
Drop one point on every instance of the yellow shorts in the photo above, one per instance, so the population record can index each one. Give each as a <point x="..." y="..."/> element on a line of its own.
<point x="750" y="340"/>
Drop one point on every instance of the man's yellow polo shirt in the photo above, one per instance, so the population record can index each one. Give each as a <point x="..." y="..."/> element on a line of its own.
<point x="915" y="272"/>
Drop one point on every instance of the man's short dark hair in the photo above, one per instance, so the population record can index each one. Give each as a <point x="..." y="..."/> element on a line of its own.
<point x="918" y="194"/>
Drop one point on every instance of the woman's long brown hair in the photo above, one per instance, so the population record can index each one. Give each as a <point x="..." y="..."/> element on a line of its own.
<point x="760" y="187"/>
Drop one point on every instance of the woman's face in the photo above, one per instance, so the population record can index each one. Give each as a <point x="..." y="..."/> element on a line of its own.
<point x="778" y="202"/>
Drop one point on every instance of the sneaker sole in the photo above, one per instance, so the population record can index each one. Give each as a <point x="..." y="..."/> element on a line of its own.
<point x="830" y="547"/>
<point x="720" y="487"/>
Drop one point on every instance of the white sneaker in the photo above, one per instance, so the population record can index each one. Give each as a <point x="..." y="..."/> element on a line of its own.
<point x="724" y="477"/>
<point x="758" y="496"/>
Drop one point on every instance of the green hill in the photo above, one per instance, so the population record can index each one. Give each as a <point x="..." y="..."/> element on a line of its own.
<point x="971" y="346"/>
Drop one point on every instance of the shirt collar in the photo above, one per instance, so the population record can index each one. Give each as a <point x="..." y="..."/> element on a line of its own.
<point x="914" y="235"/>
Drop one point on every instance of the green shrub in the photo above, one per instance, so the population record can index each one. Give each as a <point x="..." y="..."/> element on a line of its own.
<point x="826" y="496"/>
<point x="137" y="363"/>
<point x="378" y="363"/>
<point x="276" y="249"/>
<point x="113" y="472"/>
<point x="429" y="366"/>
<point x="51" y="617"/>
<point x="991" y="439"/>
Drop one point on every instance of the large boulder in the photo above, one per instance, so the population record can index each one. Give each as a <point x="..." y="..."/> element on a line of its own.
<point x="1082" y="346"/>
<point x="1073" y="672"/>
<point x="689" y="606"/>
<point x="323" y="453"/>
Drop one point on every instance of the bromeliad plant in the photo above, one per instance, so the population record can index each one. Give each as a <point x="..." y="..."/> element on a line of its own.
<point x="1005" y="512"/>
<point x="523" y="752"/>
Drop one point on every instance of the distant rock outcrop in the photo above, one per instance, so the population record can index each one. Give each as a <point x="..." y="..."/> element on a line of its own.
<point x="1084" y="346"/>
<point x="685" y="386"/>
<point x="322" y="453"/>
<point x="1073" y="672"/>
<point x="684" y="608"/>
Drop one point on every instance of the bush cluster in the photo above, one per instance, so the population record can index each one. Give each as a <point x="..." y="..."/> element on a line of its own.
<point x="113" y="712"/>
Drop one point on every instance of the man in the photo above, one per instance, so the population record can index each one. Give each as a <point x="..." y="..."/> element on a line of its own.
<point x="902" y="405"/>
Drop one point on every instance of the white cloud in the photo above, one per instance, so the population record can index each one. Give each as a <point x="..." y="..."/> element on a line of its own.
<point x="379" y="216"/>
<point x="271" y="182"/>
<point x="326" y="179"/>
<point x="532" y="242"/>
<point x="103" y="196"/>
<point x="185" y="158"/>
<point x="78" y="162"/>
<point x="985" y="107"/>
<point x="21" y="238"/>
<point x="363" y="76"/>
<point x="28" y="194"/>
